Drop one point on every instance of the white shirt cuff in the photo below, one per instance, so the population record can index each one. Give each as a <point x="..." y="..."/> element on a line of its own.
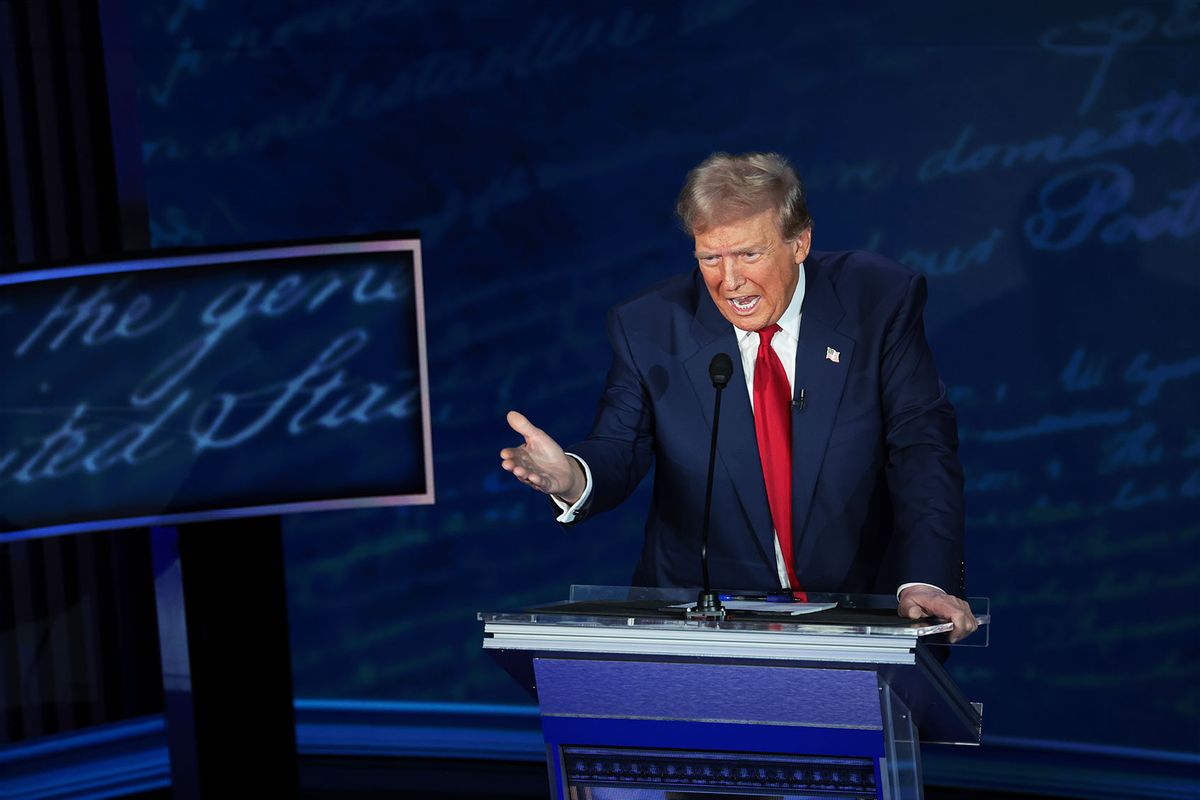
<point x="570" y="510"/>
<point x="904" y="586"/>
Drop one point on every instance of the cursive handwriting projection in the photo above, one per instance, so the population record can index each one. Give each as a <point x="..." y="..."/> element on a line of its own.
<point x="340" y="17"/>
<point x="549" y="43"/>
<point x="155" y="367"/>
<point x="72" y="447"/>
<point x="513" y="185"/>
<point x="176" y="18"/>
<point x="1091" y="201"/>
<point x="1152" y="378"/>
<point x="1171" y="118"/>
<point x="1132" y="449"/>
<point x="326" y="385"/>
<point x="1083" y="372"/>
<point x="954" y="260"/>
<point x="171" y="226"/>
<point x="96" y="318"/>
<point x="248" y="299"/>
<point x="1102" y="37"/>
<point x="1058" y="423"/>
<point x="1116" y="498"/>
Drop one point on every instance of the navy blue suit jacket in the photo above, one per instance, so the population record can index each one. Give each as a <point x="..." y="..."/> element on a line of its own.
<point x="877" y="486"/>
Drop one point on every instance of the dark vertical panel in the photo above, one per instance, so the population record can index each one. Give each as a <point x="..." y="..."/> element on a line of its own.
<point x="73" y="694"/>
<point x="58" y="179"/>
<point x="51" y="119"/>
<point x="107" y="672"/>
<point x="32" y="680"/>
<point x="122" y="138"/>
<point x="78" y="643"/>
<point x="56" y="644"/>
<point x="8" y="235"/>
<point x="133" y="648"/>
<point x="222" y="604"/>
<point x="90" y="664"/>
<point x="12" y="716"/>
<point x="86" y="184"/>
<point x="23" y="155"/>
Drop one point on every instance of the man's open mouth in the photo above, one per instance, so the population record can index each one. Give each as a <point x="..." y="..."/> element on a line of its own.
<point x="745" y="305"/>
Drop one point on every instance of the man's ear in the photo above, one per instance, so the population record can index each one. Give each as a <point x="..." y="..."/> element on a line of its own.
<point x="801" y="245"/>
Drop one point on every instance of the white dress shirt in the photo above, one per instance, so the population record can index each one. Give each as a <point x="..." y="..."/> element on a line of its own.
<point x="784" y="343"/>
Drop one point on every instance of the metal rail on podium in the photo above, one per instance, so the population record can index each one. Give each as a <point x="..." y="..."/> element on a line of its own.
<point x="637" y="701"/>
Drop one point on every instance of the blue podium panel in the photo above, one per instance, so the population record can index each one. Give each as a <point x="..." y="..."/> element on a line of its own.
<point x="668" y="729"/>
<point x="709" y="692"/>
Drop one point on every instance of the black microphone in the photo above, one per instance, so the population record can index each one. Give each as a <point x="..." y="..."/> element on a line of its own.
<point x="720" y="370"/>
<point x="708" y="605"/>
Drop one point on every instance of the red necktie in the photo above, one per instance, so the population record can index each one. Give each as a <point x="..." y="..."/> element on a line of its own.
<point x="773" y="427"/>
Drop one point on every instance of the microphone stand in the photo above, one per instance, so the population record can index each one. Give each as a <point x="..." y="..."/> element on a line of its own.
<point x="708" y="604"/>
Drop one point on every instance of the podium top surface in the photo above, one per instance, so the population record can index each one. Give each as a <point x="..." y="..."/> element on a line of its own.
<point x="609" y="607"/>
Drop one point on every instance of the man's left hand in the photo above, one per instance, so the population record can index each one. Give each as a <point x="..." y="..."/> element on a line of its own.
<point x="926" y="601"/>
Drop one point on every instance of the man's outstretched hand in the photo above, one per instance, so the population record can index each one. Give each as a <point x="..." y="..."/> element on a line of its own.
<point x="541" y="463"/>
<point x="926" y="601"/>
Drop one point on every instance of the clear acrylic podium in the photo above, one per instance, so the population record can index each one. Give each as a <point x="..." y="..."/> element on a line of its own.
<point x="638" y="703"/>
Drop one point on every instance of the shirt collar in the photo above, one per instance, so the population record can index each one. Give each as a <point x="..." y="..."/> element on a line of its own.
<point x="789" y="323"/>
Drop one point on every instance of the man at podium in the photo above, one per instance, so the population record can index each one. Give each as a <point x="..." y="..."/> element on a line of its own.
<point x="837" y="467"/>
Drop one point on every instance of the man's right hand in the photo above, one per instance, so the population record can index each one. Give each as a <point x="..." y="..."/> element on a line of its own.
<point x="541" y="463"/>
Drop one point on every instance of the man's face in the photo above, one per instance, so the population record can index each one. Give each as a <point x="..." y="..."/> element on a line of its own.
<point x="750" y="270"/>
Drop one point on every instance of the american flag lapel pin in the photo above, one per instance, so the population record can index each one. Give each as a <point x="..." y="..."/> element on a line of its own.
<point x="833" y="355"/>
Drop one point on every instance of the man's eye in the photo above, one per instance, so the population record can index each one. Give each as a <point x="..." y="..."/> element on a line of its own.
<point x="752" y="256"/>
<point x="709" y="261"/>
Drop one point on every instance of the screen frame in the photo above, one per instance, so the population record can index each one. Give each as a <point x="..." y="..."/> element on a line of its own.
<point x="248" y="253"/>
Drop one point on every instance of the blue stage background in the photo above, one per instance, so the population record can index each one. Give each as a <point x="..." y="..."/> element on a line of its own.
<point x="1037" y="161"/>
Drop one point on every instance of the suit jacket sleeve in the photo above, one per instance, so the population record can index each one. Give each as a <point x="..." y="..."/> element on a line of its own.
<point x="619" y="449"/>
<point x="922" y="470"/>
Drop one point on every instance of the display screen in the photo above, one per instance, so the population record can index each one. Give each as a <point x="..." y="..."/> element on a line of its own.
<point x="219" y="383"/>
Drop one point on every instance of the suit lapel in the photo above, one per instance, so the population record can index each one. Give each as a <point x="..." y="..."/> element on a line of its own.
<point x="737" y="446"/>
<point x="823" y="359"/>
